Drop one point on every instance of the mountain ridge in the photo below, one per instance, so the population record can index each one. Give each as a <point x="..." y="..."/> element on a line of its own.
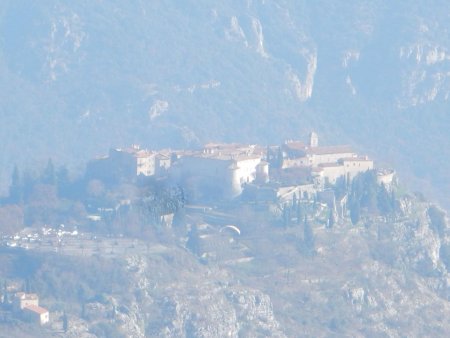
<point x="101" y="75"/>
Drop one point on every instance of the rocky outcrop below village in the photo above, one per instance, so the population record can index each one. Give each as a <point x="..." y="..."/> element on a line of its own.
<point x="383" y="276"/>
<point x="189" y="300"/>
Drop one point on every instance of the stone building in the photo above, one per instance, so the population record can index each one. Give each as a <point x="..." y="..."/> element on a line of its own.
<point x="220" y="170"/>
<point x="27" y="306"/>
<point x="36" y="314"/>
<point x="328" y="164"/>
<point x="129" y="163"/>
<point x="22" y="299"/>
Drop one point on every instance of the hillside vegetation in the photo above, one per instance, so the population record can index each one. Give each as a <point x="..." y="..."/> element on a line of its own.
<point x="77" y="78"/>
<point x="383" y="276"/>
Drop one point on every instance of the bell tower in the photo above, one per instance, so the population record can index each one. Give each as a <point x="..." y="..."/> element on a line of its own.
<point x="313" y="140"/>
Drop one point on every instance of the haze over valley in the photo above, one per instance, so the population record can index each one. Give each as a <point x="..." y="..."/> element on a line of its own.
<point x="233" y="168"/>
<point x="80" y="78"/>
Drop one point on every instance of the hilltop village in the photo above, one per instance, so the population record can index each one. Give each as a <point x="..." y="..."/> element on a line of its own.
<point x="130" y="189"/>
<point x="223" y="172"/>
<point x="212" y="203"/>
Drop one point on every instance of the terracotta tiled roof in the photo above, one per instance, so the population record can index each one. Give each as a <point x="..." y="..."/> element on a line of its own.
<point x="143" y="154"/>
<point x="329" y="150"/>
<point x="37" y="309"/>
<point x="295" y="145"/>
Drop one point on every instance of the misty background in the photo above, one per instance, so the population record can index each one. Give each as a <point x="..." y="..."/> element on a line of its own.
<point x="79" y="77"/>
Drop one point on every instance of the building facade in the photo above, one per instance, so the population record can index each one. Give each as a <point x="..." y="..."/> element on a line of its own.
<point x="36" y="314"/>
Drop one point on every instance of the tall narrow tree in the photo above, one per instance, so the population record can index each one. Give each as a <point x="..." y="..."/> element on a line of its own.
<point x="49" y="176"/>
<point x="16" y="188"/>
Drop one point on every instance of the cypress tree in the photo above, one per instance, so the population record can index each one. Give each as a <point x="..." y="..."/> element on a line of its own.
<point x="16" y="188"/>
<point x="62" y="181"/>
<point x="299" y="213"/>
<point x="384" y="201"/>
<point x="48" y="176"/>
<point x="355" y="212"/>
<point x="308" y="238"/>
<point x="331" y="219"/>
<point x="66" y="322"/>
<point x="193" y="242"/>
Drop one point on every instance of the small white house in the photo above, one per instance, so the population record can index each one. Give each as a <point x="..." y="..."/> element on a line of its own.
<point x="22" y="299"/>
<point x="36" y="314"/>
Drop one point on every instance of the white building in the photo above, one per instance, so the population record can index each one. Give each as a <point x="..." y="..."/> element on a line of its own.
<point x="323" y="155"/>
<point x="356" y="165"/>
<point x="329" y="173"/>
<point x="27" y="304"/>
<point x="128" y="163"/>
<point x="135" y="161"/>
<point x="36" y="314"/>
<point x="328" y="164"/>
<point x="221" y="170"/>
<point x="346" y="169"/>
<point x="22" y="299"/>
<point x="296" y="154"/>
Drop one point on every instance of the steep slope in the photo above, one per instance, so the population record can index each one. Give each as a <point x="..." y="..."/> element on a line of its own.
<point x="78" y="78"/>
<point x="382" y="277"/>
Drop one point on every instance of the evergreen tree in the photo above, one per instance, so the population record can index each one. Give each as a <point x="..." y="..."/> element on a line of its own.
<point x="16" y="188"/>
<point x="357" y="189"/>
<point x="279" y="159"/>
<point x="49" y="176"/>
<point x="299" y="213"/>
<point x="268" y="154"/>
<point x="308" y="238"/>
<point x="355" y="212"/>
<point x="331" y="219"/>
<point x="341" y="186"/>
<point x="65" y="322"/>
<point x="6" y="298"/>
<point x="384" y="201"/>
<point x="193" y="242"/>
<point x="179" y="219"/>
<point x="369" y="196"/>
<point x="27" y="185"/>
<point x="63" y="182"/>
<point x="393" y="200"/>
<point x="286" y="215"/>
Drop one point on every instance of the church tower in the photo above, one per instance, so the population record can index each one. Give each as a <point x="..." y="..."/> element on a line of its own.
<point x="313" y="140"/>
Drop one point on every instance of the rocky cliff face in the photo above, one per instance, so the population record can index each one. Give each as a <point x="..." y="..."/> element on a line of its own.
<point x="383" y="277"/>
<point x="196" y="302"/>
<point x="260" y="71"/>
